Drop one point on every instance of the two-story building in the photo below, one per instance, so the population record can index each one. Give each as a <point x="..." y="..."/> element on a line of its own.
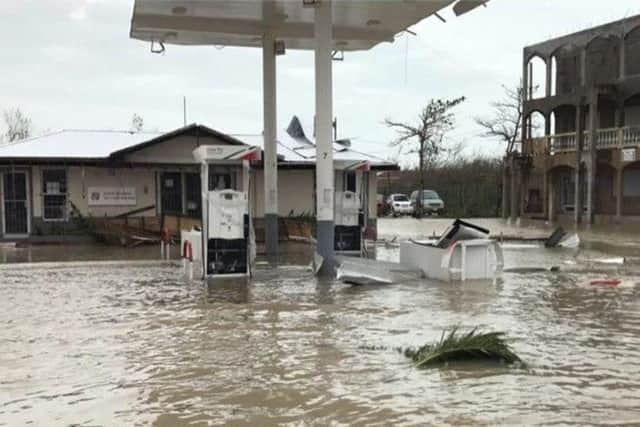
<point x="579" y="155"/>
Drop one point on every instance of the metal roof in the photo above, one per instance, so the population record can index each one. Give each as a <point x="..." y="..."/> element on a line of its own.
<point x="101" y="145"/>
<point x="357" y="24"/>
<point x="73" y="144"/>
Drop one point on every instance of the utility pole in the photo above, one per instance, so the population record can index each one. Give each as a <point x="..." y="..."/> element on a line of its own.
<point x="184" y="110"/>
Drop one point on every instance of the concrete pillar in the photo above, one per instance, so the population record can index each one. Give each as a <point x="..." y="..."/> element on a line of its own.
<point x="513" y="201"/>
<point x="270" y="159"/>
<point x="549" y="77"/>
<point x="552" y="196"/>
<point x="619" y="192"/>
<point x="583" y="67"/>
<point x="592" y="164"/>
<point x="579" y="144"/>
<point x="547" y="125"/>
<point x="525" y="79"/>
<point x="204" y="188"/>
<point x="623" y="60"/>
<point x="324" y="133"/>
<point x="505" y="188"/>
<point x="545" y="192"/>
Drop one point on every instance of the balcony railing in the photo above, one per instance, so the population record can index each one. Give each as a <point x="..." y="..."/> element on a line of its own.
<point x="566" y="142"/>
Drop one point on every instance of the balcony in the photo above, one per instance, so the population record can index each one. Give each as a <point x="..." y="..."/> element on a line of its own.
<point x="566" y="142"/>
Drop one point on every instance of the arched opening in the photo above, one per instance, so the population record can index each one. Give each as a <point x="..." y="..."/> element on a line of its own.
<point x="565" y="70"/>
<point x="631" y="189"/>
<point x="562" y="191"/>
<point x="603" y="60"/>
<point x="632" y="52"/>
<point x="564" y="119"/>
<point x="605" y="202"/>
<point x="563" y="128"/>
<point x="535" y="125"/>
<point x="632" y="111"/>
<point x="537" y="78"/>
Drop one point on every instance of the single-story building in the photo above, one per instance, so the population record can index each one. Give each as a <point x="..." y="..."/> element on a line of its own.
<point x="48" y="181"/>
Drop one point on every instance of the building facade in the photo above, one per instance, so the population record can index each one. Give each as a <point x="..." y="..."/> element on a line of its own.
<point x="579" y="154"/>
<point x="49" y="183"/>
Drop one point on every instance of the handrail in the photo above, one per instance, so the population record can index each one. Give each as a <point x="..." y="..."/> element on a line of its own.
<point x="606" y="138"/>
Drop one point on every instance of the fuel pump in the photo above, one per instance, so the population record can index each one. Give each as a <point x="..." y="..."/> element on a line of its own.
<point x="227" y="229"/>
<point x="351" y="208"/>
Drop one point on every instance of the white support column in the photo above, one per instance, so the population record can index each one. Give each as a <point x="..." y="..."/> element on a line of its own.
<point x="324" y="132"/>
<point x="204" y="188"/>
<point x="270" y="160"/>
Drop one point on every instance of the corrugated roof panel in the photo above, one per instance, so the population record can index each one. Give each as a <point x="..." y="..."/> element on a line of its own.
<point x="75" y="144"/>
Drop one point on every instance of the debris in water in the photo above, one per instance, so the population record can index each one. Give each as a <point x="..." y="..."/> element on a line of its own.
<point x="560" y="238"/>
<point x="455" y="346"/>
<point x="606" y="283"/>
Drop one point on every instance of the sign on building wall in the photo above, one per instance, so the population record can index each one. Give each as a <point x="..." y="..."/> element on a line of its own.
<point x="628" y="155"/>
<point x="112" y="196"/>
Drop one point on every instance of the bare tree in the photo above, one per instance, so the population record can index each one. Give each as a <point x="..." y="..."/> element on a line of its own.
<point x="506" y="120"/>
<point x="425" y="137"/>
<point x="18" y="125"/>
<point x="506" y="124"/>
<point x="137" y="123"/>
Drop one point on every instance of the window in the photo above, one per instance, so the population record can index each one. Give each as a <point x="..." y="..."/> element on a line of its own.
<point x="54" y="194"/>
<point x="350" y="181"/>
<point x="220" y="181"/>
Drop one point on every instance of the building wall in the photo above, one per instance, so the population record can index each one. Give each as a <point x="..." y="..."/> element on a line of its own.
<point x="178" y="150"/>
<point x="296" y="189"/>
<point x="295" y="192"/>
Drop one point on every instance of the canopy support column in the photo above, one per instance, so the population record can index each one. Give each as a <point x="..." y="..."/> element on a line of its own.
<point x="324" y="137"/>
<point x="270" y="160"/>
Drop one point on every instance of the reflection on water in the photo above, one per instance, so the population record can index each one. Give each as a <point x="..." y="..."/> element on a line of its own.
<point x="133" y="344"/>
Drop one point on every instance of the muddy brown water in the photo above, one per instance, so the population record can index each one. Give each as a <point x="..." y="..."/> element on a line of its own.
<point x="131" y="343"/>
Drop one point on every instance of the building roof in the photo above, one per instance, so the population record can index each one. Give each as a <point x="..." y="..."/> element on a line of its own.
<point x="357" y="24"/>
<point x="74" y="145"/>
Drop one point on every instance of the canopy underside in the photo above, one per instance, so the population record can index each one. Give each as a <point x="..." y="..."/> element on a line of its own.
<point x="357" y="24"/>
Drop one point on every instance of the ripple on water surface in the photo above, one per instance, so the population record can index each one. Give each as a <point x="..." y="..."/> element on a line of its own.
<point x="127" y="344"/>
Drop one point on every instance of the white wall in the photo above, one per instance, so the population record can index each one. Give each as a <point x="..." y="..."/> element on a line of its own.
<point x="79" y="179"/>
<point x="295" y="192"/>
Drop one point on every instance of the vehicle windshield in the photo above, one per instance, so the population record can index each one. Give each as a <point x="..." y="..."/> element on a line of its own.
<point x="400" y="198"/>
<point x="430" y="195"/>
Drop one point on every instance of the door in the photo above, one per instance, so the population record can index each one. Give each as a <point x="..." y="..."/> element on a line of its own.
<point x="194" y="195"/>
<point x="171" y="183"/>
<point x="16" y="208"/>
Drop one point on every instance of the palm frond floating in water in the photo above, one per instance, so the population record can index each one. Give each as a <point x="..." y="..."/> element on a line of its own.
<point x="456" y="346"/>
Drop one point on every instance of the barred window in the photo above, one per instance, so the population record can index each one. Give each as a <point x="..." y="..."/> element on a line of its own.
<point x="54" y="194"/>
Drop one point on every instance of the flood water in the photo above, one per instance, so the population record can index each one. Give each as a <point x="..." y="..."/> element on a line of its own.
<point x="133" y="343"/>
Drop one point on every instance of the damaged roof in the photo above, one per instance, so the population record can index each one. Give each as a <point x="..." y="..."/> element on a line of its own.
<point x="73" y="145"/>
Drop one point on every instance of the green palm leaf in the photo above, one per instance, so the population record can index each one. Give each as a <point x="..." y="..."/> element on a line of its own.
<point x="473" y="345"/>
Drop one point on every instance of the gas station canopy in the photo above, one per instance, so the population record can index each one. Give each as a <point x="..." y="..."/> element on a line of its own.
<point x="357" y="24"/>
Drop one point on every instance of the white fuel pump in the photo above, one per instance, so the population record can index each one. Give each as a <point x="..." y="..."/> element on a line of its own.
<point x="349" y="212"/>
<point x="227" y="229"/>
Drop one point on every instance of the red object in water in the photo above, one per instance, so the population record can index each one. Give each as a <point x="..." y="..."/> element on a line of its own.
<point x="606" y="283"/>
<point x="187" y="251"/>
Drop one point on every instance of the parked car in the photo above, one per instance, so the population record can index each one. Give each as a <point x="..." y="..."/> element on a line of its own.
<point x="399" y="204"/>
<point x="431" y="202"/>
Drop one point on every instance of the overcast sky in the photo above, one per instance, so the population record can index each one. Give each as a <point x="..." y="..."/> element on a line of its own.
<point x="71" y="64"/>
